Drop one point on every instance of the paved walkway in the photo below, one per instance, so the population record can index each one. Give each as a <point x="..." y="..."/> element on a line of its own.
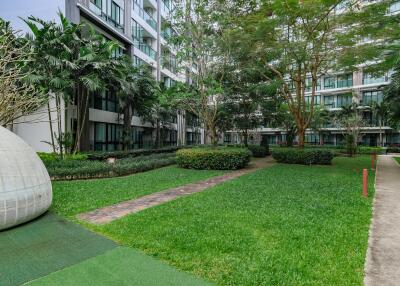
<point x="110" y="213"/>
<point x="383" y="256"/>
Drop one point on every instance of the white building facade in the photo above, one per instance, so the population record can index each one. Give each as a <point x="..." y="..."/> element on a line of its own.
<point x="142" y="29"/>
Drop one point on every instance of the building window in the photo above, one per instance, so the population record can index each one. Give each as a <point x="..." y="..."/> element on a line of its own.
<point x="345" y="80"/>
<point x="192" y="120"/>
<point x="344" y="100"/>
<point x="371" y="79"/>
<point x="317" y="100"/>
<point x="227" y="138"/>
<point x="137" y="138"/>
<point x="192" y="138"/>
<point x="107" y="137"/>
<point x="372" y="96"/>
<point x="329" y="101"/>
<point x="105" y="100"/>
<point x="329" y="82"/>
<point x="395" y="7"/>
<point x="309" y="84"/>
<point x="97" y="3"/>
<point x="117" y="14"/>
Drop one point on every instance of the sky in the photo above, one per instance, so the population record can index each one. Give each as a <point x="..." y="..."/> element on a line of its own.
<point x="11" y="10"/>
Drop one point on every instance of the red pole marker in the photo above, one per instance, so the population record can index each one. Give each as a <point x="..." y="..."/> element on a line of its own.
<point x="373" y="158"/>
<point x="365" y="183"/>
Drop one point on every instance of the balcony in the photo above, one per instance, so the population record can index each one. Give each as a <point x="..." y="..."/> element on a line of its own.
<point x="145" y="48"/>
<point x="115" y="19"/>
<point x="145" y="16"/>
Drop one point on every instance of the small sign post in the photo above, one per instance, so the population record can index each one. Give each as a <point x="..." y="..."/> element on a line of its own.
<point x="365" y="183"/>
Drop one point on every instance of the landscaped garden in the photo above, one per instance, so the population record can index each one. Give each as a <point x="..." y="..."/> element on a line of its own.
<point x="259" y="229"/>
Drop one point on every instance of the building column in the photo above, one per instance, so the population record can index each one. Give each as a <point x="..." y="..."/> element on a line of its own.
<point x="72" y="12"/>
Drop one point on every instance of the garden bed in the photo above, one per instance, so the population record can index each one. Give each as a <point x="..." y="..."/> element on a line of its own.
<point x="87" y="169"/>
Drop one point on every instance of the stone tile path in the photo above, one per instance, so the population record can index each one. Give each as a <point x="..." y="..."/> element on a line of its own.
<point x="110" y="213"/>
<point x="382" y="266"/>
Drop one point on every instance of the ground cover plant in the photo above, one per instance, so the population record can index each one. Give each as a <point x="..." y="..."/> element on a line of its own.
<point x="303" y="156"/>
<point x="87" y="169"/>
<point x="208" y="158"/>
<point x="74" y="197"/>
<point x="262" y="228"/>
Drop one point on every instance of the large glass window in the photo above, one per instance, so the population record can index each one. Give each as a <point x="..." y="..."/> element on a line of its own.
<point x="107" y="137"/>
<point x="329" y="82"/>
<point x="344" y="100"/>
<point x="345" y="80"/>
<point x="329" y="101"/>
<point x="192" y="138"/>
<point x="309" y="84"/>
<point x="317" y="100"/>
<point x="139" y="40"/>
<point x="372" y="96"/>
<point x="105" y="100"/>
<point x="371" y="79"/>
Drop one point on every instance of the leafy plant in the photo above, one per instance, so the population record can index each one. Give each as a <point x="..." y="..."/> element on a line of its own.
<point x="303" y="156"/>
<point x="213" y="158"/>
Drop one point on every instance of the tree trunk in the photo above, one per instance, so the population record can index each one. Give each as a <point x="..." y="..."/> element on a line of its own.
<point x="380" y="134"/>
<point x="127" y="133"/>
<point x="214" y="136"/>
<point x="246" y="138"/>
<point x="81" y="117"/>
<point x="51" y="128"/>
<point x="301" y="132"/>
<point x="59" y="127"/>
<point x="158" y="134"/>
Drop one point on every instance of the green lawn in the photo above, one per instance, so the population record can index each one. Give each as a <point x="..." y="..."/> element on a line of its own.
<point x="397" y="159"/>
<point x="286" y="225"/>
<point x="74" y="197"/>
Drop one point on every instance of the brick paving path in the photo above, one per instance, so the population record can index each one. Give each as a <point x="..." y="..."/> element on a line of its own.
<point x="110" y="213"/>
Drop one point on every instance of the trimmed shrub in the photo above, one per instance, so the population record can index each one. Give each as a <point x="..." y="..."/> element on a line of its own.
<point x="86" y="169"/>
<point x="213" y="158"/>
<point x="303" y="156"/>
<point x="258" y="151"/>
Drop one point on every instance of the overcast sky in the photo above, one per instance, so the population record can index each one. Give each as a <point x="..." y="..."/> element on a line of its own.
<point x="10" y="10"/>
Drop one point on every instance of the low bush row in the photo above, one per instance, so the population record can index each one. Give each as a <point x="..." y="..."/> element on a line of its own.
<point x="305" y="156"/>
<point x="213" y="158"/>
<point x="86" y="169"/>
<point x="104" y="155"/>
<point x="258" y="151"/>
<point x="393" y="150"/>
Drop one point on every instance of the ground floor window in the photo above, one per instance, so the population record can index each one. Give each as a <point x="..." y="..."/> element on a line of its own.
<point x="192" y="138"/>
<point x="107" y="137"/>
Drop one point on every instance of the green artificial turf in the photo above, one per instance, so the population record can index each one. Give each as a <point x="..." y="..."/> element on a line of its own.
<point x="45" y="245"/>
<point x="121" y="266"/>
<point x="285" y="225"/>
<point x="73" y="197"/>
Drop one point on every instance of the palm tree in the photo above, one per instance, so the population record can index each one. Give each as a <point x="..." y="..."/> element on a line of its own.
<point x="135" y="88"/>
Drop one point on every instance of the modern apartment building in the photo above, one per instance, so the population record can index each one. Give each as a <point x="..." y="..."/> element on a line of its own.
<point x="335" y="91"/>
<point x="141" y="28"/>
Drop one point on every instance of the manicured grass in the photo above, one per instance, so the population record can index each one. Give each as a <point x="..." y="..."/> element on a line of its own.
<point x="397" y="159"/>
<point x="73" y="197"/>
<point x="286" y="225"/>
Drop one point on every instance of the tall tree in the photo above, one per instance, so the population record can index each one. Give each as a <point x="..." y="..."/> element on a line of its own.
<point x="198" y="34"/>
<point x="301" y="40"/>
<point x="17" y="97"/>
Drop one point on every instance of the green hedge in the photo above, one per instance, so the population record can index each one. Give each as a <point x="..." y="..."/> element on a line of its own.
<point x="258" y="151"/>
<point x="364" y="150"/>
<point x="104" y="155"/>
<point x="86" y="169"/>
<point x="303" y="156"/>
<point x="213" y="158"/>
<point x="393" y="150"/>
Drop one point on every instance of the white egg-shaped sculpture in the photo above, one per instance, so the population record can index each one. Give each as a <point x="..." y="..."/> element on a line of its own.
<point x="25" y="186"/>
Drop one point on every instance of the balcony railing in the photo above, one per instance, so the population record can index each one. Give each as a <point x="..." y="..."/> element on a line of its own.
<point x="145" y="16"/>
<point x="145" y="48"/>
<point x="98" y="11"/>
